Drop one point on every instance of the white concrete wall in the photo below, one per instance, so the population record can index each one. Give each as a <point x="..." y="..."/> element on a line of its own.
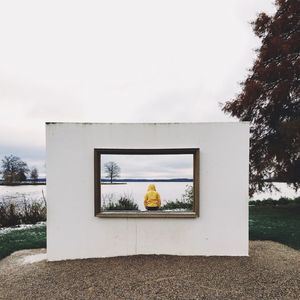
<point x="74" y="232"/>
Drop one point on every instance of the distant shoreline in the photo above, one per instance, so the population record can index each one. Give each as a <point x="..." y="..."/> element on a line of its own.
<point x="113" y="183"/>
<point x="22" y="183"/>
<point x="148" y="180"/>
<point x="42" y="181"/>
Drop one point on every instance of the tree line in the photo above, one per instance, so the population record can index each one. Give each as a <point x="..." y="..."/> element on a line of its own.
<point x="14" y="170"/>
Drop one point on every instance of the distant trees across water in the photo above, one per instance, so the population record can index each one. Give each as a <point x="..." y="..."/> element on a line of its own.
<point x="15" y="171"/>
<point x="120" y="180"/>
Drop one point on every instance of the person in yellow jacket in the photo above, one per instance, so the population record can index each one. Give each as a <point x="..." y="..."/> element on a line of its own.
<point x="152" y="198"/>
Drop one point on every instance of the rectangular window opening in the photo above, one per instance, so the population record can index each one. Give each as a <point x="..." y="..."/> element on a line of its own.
<point x="147" y="183"/>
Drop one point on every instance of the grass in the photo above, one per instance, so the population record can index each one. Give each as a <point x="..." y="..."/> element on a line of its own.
<point x="124" y="203"/>
<point x="275" y="223"/>
<point x="18" y="239"/>
<point x="186" y="201"/>
<point x="177" y="205"/>
<point x="27" y="211"/>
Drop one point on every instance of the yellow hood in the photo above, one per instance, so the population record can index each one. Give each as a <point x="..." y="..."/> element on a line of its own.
<point x="151" y="187"/>
<point x="152" y="197"/>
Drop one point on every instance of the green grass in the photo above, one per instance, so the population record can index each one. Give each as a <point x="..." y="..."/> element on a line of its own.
<point x="124" y="203"/>
<point x="280" y="224"/>
<point x="29" y="238"/>
<point x="275" y="223"/>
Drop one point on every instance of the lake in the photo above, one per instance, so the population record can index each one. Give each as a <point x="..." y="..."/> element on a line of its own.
<point x="167" y="190"/>
<point x="285" y="191"/>
<point x="17" y="193"/>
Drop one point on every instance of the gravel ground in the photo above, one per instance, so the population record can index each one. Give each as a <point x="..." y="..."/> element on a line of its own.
<point x="272" y="271"/>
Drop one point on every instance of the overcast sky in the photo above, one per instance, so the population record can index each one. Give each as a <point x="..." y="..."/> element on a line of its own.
<point x="118" y="61"/>
<point x="151" y="166"/>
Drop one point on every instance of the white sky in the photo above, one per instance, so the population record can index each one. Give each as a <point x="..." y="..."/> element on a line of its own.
<point x="151" y="166"/>
<point x="118" y="61"/>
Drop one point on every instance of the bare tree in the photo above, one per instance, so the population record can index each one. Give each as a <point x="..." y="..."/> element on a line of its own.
<point x="112" y="170"/>
<point x="13" y="169"/>
<point x="34" y="174"/>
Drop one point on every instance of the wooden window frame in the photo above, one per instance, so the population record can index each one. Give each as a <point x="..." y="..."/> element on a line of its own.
<point x="147" y="214"/>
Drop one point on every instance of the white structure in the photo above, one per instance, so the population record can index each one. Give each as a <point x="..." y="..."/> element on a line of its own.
<point x="74" y="232"/>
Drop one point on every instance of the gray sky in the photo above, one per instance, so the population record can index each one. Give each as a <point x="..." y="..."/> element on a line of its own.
<point x="151" y="166"/>
<point x="118" y="61"/>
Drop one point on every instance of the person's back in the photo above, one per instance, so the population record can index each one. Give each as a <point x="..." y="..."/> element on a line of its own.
<point x="152" y="198"/>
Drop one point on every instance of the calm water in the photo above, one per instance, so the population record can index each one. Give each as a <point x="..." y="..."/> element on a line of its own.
<point x="167" y="190"/>
<point x="285" y="191"/>
<point x="17" y="193"/>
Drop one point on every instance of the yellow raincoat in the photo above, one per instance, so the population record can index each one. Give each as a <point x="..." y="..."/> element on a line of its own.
<point x="152" y="197"/>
